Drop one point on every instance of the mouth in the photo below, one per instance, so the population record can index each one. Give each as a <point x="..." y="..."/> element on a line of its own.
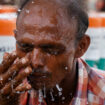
<point x="38" y="78"/>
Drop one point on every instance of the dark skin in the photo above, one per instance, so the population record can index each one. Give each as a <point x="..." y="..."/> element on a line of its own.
<point x="47" y="37"/>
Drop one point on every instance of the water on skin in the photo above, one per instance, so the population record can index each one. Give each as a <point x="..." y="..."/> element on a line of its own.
<point x="1" y="78"/>
<point x="66" y="68"/>
<point x="33" y="2"/>
<point x="27" y="11"/>
<point x="9" y="79"/>
<point x="58" y="88"/>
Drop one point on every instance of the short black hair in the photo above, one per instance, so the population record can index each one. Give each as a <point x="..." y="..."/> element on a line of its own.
<point x="23" y="4"/>
<point x="79" y="13"/>
<point x="76" y="9"/>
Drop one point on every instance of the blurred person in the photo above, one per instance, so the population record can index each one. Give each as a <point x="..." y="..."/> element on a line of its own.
<point x="100" y="5"/>
<point x="50" y="39"/>
<point x="7" y="2"/>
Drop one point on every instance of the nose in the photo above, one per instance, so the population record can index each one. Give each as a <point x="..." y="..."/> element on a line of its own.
<point x="37" y="58"/>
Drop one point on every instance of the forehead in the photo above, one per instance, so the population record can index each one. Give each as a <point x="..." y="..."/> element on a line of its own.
<point x="49" y="19"/>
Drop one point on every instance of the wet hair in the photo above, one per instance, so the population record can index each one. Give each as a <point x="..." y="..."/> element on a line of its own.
<point x="23" y="4"/>
<point x="76" y="9"/>
<point x="79" y="13"/>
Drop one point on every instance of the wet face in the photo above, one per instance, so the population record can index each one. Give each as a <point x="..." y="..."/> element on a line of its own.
<point x="45" y="32"/>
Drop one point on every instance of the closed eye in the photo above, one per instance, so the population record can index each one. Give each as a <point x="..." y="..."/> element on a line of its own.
<point x="53" y="50"/>
<point x="25" y="46"/>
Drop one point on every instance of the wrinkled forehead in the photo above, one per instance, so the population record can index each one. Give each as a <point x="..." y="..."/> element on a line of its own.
<point x="41" y="14"/>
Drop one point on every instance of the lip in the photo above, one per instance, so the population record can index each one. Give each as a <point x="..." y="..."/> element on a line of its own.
<point x="40" y="73"/>
<point x="38" y="77"/>
<point x="37" y="81"/>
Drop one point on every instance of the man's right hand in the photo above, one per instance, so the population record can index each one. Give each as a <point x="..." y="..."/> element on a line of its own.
<point x="12" y="73"/>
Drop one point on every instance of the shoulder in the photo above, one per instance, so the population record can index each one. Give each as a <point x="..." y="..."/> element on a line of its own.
<point x="99" y="72"/>
<point x="96" y="86"/>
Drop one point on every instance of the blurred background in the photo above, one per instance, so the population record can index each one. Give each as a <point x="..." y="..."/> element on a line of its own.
<point x="95" y="56"/>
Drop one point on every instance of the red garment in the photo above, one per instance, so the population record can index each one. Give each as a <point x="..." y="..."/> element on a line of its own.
<point x="90" y="89"/>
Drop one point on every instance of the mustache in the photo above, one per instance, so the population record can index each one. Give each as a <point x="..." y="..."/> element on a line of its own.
<point x="40" y="72"/>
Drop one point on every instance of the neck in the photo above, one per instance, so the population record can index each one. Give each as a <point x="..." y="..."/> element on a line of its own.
<point x="63" y="92"/>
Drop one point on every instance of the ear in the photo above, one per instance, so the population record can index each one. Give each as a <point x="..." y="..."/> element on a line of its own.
<point x="82" y="46"/>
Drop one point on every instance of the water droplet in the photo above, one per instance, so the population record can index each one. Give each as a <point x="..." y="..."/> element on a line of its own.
<point x="63" y="98"/>
<point x="14" y="74"/>
<point x="29" y="91"/>
<point x="58" y="88"/>
<point x="52" y="97"/>
<point x="66" y="68"/>
<point x="1" y="78"/>
<point x="62" y="102"/>
<point x="18" y="92"/>
<point x="9" y="79"/>
<point x="40" y="96"/>
<point x="27" y="11"/>
<point x="8" y="97"/>
<point x="44" y="89"/>
<point x="60" y="93"/>
<point x="33" y="2"/>
<point x="19" y="10"/>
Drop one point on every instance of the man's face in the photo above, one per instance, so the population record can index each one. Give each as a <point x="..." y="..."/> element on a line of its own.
<point x="45" y="32"/>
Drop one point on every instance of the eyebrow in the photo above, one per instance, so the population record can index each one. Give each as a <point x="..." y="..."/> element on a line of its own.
<point x="48" y="45"/>
<point x="43" y="45"/>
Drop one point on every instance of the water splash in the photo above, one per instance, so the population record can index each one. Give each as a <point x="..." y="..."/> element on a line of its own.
<point x="40" y="96"/>
<point x="59" y="89"/>
<point x="52" y="97"/>
<point x="44" y="89"/>
<point x="60" y="93"/>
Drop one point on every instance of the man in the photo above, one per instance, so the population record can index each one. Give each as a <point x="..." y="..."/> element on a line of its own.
<point x="50" y="39"/>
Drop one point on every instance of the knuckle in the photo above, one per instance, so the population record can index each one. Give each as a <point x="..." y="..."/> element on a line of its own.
<point x="24" y="60"/>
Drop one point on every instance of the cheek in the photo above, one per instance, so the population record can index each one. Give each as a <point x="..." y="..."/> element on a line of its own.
<point x="20" y="53"/>
<point x="57" y="65"/>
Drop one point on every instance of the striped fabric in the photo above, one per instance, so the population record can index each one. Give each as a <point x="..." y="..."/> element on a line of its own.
<point x="90" y="89"/>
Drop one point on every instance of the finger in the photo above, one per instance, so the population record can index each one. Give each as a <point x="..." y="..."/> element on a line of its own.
<point x="13" y="70"/>
<point x="7" y="61"/>
<point x="17" y="80"/>
<point x="22" y="88"/>
<point x="5" y="55"/>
